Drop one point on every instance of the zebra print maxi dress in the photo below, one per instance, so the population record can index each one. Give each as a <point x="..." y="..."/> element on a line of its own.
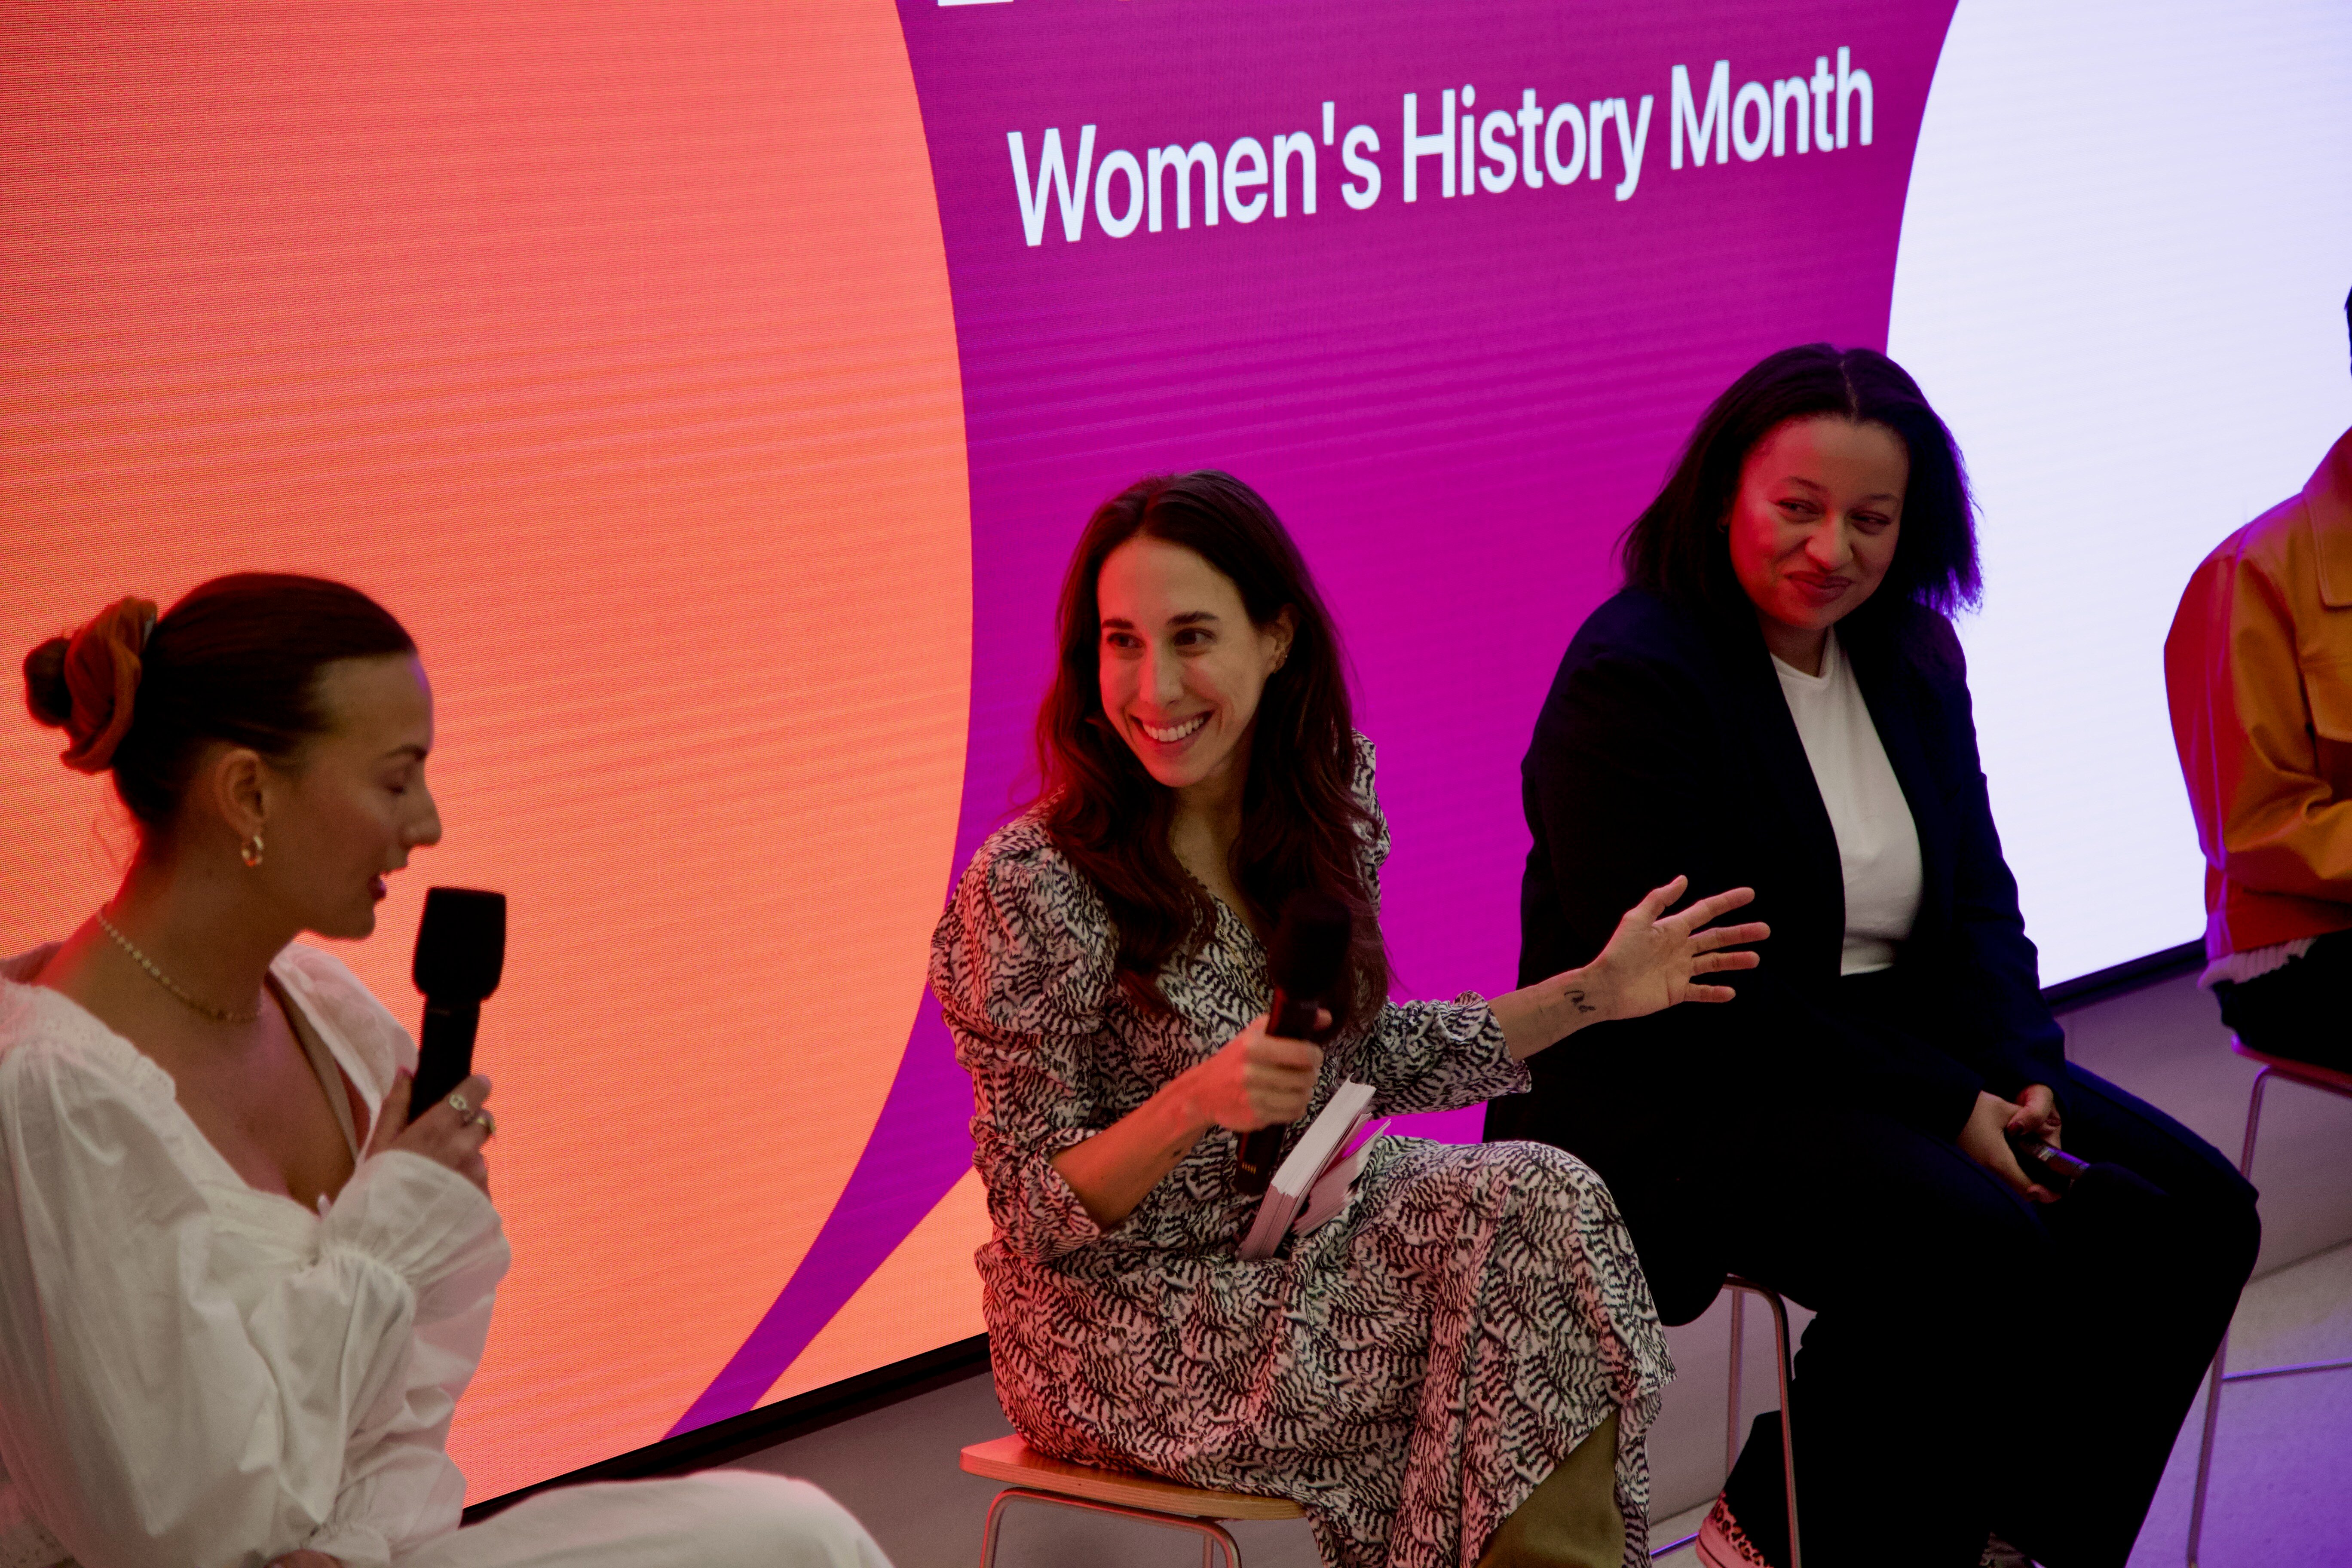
<point x="1408" y="1371"/>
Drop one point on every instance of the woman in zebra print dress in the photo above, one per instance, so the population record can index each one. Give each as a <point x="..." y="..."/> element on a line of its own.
<point x="1459" y="1367"/>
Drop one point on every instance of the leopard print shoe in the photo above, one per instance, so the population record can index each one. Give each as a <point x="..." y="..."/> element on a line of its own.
<point x="1723" y="1544"/>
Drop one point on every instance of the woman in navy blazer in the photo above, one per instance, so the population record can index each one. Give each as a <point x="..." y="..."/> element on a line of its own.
<point x="1986" y="1361"/>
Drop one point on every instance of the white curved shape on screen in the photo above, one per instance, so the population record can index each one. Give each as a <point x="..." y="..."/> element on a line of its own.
<point x="2121" y="280"/>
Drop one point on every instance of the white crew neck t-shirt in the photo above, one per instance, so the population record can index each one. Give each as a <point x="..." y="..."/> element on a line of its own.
<point x="1878" y="844"/>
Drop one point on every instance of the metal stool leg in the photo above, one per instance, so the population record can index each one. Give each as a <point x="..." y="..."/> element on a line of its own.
<point x="1738" y="1287"/>
<point x="1788" y="1433"/>
<point x="989" y="1531"/>
<point x="1731" y="1434"/>
<point x="2325" y="1082"/>
<point x="2221" y="1350"/>
<point x="1786" y="1369"/>
<point x="1214" y="1536"/>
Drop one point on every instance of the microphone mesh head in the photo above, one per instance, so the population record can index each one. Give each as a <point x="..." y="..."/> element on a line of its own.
<point x="1310" y="944"/>
<point x="461" y="945"/>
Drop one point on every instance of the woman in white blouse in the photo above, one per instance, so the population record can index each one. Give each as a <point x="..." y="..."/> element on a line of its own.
<point x="240" y="1292"/>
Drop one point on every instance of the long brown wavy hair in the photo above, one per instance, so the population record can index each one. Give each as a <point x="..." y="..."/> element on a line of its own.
<point x="1301" y="825"/>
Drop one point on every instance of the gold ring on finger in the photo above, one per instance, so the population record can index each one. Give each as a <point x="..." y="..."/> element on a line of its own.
<point x="465" y="1111"/>
<point x="489" y="1124"/>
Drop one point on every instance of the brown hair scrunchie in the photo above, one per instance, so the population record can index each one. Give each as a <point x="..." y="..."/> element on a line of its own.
<point x="101" y="671"/>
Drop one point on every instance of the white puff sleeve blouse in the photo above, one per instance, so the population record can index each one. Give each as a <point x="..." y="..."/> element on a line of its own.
<point x="193" y="1374"/>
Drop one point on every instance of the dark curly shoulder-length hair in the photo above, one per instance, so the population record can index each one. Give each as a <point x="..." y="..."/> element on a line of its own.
<point x="1676" y="548"/>
<point x="1301" y="825"/>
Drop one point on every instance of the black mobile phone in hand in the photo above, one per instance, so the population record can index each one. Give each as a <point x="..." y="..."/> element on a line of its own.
<point x="2046" y="1163"/>
<point x="461" y="951"/>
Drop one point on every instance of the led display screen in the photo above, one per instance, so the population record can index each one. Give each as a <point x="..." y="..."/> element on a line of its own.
<point x="715" y="391"/>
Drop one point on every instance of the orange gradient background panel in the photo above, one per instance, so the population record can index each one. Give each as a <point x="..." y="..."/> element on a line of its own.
<point x="611" y="348"/>
<point x="926" y="1294"/>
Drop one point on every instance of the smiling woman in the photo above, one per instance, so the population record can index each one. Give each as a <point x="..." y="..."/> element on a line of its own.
<point x="1830" y="480"/>
<point x="1847" y="1130"/>
<point x="1460" y="1365"/>
<point x="1183" y="600"/>
<point x="1815" y="527"/>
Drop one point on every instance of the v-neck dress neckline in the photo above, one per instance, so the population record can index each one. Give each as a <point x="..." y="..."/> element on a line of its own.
<point x="323" y="1065"/>
<point x="332" y="1063"/>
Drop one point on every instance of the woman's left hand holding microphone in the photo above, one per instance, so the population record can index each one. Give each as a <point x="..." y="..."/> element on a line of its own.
<point x="451" y="1134"/>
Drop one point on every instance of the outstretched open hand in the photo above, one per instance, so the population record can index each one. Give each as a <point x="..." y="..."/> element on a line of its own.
<point x="1654" y="959"/>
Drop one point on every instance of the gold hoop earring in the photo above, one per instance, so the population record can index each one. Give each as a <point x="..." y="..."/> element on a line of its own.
<point x="250" y="852"/>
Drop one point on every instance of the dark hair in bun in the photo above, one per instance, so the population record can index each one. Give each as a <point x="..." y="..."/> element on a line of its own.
<point x="237" y="660"/>
<point x="46" y="692"/>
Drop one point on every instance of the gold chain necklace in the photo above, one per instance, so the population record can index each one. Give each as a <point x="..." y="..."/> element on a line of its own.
<point x="217" y="1014"/>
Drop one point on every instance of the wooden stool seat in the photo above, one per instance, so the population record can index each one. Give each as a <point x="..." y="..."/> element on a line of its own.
<point x="1030" y="1477"/>
<point x="1015" y="1463"/>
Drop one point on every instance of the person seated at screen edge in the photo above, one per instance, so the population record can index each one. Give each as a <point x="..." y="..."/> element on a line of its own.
<point x="240" y="1293"/>
<point x="1777" y="699"/>
<point x="2259" y="669"/>
<point x="1461" y="1365"/>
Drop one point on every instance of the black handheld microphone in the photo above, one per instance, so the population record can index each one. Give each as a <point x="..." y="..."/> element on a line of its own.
<point x="461" y="951"/>
<point x="1309" y="947"/>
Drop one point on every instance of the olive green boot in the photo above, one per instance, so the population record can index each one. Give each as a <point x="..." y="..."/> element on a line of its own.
<point x="1571" y="1521"/>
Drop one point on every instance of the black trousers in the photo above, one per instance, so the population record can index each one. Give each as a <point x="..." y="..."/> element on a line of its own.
<point x="1979" y="1362"/>
<point x="2300" y="1010"/>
